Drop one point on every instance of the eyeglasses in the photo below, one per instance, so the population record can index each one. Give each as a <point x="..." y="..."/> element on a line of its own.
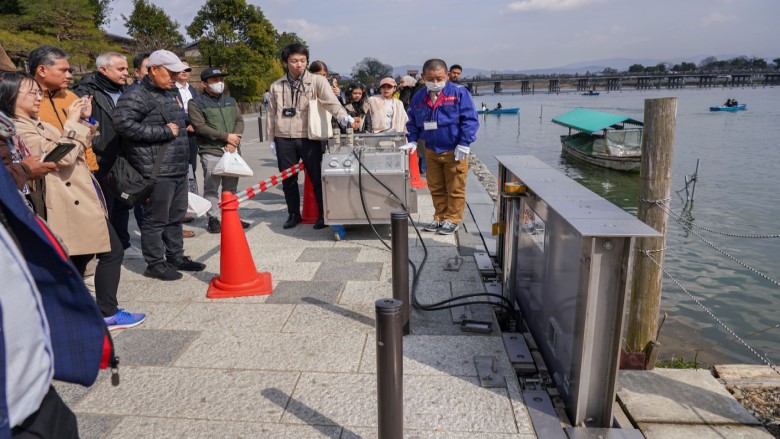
<point x="37" y="93"/>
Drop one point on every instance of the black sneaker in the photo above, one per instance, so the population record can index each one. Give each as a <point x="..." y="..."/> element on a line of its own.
<point x="448" y="228"/>
<point x="293" y="220"/>
<point x="162" y="271"/>
<point x="245" y="224"/>
<point x="434" y="226"/>
<point x="186" y="264"/>
<point x="214" y="225"/>
<point x="320" y="224"/>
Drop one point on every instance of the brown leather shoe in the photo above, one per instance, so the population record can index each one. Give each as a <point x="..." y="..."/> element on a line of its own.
<point x="188" y="219"/>
<point x="187" y="233"/>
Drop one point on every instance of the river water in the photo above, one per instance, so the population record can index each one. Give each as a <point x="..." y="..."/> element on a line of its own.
<point x="737" y="192"/>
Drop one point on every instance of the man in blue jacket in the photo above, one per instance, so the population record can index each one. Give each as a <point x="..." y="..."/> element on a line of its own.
<point x="50" y="325"/>
<point x="444" y="116"/>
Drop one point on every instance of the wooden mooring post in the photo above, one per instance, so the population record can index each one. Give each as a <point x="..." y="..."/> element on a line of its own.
<point x="656" y="177"/>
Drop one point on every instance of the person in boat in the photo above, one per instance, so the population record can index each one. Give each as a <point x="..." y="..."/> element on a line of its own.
<point x="730" y="102"/>
<point x="485" y="107"/>
<point x="498" y="106"/>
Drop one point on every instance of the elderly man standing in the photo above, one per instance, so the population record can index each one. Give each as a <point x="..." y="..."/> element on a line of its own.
<point x="149" y="120"/>
<point x="219" y="126"/>
<point x="50" y="67"/>
<point x="288" y="127"/>
<point x="445" y="118"/>
<point x="105" y="86"/>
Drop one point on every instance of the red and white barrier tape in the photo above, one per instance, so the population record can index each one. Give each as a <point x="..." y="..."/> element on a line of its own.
<point x="263" y="186"/>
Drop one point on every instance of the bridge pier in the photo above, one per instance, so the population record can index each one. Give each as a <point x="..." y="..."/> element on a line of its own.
<point x="707" y="81"/>
<point x="555" y="86"/>
<point x="497" y="87"/>
<point x="741" y="80"/>
<point x="525" y="87"/>
<point x="675" y="82"/>
<point x="613" y="84"/>
<point x="771" y="79"/>
<point x="583" y="84"/>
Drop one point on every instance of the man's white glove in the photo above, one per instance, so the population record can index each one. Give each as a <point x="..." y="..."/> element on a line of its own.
<point x="347" y="121"/>
<point x="411" y="147"/>
<point x="273" y="147"/>
<point x="461" y="152"/>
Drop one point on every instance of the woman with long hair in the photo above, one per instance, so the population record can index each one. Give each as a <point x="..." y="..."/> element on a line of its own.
<point x="75" y="208"/>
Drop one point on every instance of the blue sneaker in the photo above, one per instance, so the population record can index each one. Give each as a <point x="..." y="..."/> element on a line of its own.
<point x="124" y="320"/>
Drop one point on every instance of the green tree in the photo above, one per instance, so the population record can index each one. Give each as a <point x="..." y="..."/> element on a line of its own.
<point x="370" y="71"/>
<point x="660" y="67"/>
<point x="68" y="24"/>
<point x="102" y="12"/>
<point x="636" y="68"/>
<point x="152" y="28"/>
<point x="237" y="37"/>
<point x="287" y="38"/>
<point x="777" y="63"/>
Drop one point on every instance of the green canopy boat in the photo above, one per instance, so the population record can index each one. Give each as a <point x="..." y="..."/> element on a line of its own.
<point x="602" y="138"/>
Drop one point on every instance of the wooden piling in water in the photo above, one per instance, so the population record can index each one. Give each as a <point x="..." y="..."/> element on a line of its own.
<point x="656" y="177"/>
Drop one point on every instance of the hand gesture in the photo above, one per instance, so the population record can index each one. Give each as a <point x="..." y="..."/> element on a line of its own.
<point x="234" y="139"/>
<point x="174" y="129"/>
<point x="77" y="109"/>
<point x="38" y="168"/>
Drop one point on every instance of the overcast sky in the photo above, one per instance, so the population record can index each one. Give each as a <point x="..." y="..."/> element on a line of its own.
<point x="510" y="34"/>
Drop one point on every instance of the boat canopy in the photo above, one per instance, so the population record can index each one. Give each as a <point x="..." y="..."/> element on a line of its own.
<point x="590" y="121"/>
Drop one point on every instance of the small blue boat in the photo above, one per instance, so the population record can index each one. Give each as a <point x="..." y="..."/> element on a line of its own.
<point x="500" y="111"/>
<point x="590" y="93"/>
<point x="725" y="108"/>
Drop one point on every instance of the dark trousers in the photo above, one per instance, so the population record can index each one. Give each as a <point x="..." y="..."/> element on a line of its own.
<point x="288" y="153"/>
<point x="161" y="230"/>
<point x="119" y="212"/>
<point x="52" y="420"/>
<point x="107" y="272"/>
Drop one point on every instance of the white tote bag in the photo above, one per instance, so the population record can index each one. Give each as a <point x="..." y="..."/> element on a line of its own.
<point x="232" y="165"/>
<point x="319" y="121"/>
<point x="197" y="205"/>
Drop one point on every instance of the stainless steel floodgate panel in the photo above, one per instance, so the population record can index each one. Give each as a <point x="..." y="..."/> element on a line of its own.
<point x="566" y="256"/>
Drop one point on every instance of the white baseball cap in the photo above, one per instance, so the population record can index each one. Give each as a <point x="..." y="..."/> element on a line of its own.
<point x="167" y="59"/>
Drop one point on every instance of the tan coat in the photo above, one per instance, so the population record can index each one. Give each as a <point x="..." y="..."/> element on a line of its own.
<point x="74" y="203"/>
<point x="378" y="112"/>
<point x="297" y="127"/>
<point x="53" y="112"/>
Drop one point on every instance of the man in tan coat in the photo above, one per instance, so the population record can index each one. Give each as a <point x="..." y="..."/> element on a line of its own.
<point x="288" y="127"/>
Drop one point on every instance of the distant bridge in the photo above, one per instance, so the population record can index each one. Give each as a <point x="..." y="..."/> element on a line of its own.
<point x="552" y="84"/>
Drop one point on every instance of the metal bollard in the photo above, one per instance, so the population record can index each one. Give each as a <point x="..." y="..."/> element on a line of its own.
<point x="399" y="243"/>
<point x="389" y="369"/>
<point x="260" y="126"/>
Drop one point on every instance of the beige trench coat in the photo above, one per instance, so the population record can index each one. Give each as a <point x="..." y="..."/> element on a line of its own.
<point x="74" y="203"/>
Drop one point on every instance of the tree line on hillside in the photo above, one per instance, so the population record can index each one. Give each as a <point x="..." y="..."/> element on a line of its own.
<point x="709" y="64"/>
<point x="232" y="35"/>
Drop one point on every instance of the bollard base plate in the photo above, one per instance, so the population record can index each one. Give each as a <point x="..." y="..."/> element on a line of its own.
<point x="259" y="286"/>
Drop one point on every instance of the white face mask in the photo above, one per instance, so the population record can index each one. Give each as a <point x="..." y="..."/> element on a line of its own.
<point x="435" y="86"/>
<point x="217" y="87"/>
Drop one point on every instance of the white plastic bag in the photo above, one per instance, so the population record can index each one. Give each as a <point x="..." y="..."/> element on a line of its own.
<point x="197" y="205"/>
<point x="319" y="121"/>
<point x="232" y="165"/>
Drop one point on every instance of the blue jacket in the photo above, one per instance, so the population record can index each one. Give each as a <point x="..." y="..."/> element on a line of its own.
<point x="76" y="325"/>
<point x="454" y="114"/>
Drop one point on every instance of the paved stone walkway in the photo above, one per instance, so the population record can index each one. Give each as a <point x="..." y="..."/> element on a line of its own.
<point x="299" y="363"/>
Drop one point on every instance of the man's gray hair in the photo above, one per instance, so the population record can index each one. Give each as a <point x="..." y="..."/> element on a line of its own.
<point x="44" y="56"/>
<point x="107" y="59"/>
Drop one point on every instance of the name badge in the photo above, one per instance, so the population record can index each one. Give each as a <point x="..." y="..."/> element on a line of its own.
<point x="430" y="126"/>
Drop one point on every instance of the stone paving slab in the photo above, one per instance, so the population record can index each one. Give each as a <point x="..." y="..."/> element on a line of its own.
<point x="324" y="317"/>
<point x="677" y="431"/>
<point x="249" y="349"/>
<point x="152" y="347"/>
<point x="444" y="355"/>
<point x="430" y="402"/>
<point x="138" y="427"/>
<point x="221" y="316"/>
<point x="341" y="271"/>
<point x="296" y="291"/>
<point x="679" y="396"/>
<point x="214" y="394"/>
<point x="96" y="426"/>
<point x="329" y="255"/>
<point x="368" y="433"/>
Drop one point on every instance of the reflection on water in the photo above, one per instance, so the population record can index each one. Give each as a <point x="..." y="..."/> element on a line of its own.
<point x="737" y="192"/>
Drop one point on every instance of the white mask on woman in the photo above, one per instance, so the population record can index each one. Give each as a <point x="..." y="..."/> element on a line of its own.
<point x="217" y="87"/>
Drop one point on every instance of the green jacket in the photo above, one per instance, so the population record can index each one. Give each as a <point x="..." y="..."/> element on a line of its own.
<point x="213" y="119"/>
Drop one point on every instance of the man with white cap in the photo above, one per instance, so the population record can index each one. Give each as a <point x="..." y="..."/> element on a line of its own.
<point x="149" y="119"/>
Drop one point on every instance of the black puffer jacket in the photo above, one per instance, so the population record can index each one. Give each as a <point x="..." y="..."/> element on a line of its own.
<point x="106" y="145"/>
<point x="142" y="128"/>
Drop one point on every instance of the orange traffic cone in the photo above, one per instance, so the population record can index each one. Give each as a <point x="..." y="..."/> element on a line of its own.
<point x="238" y="276"/>
<point x="310" y="211"/>
<point x="414" y="171"/>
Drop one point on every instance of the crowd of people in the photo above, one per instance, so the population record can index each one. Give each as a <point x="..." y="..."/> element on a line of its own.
<point x="59" y="217"/>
